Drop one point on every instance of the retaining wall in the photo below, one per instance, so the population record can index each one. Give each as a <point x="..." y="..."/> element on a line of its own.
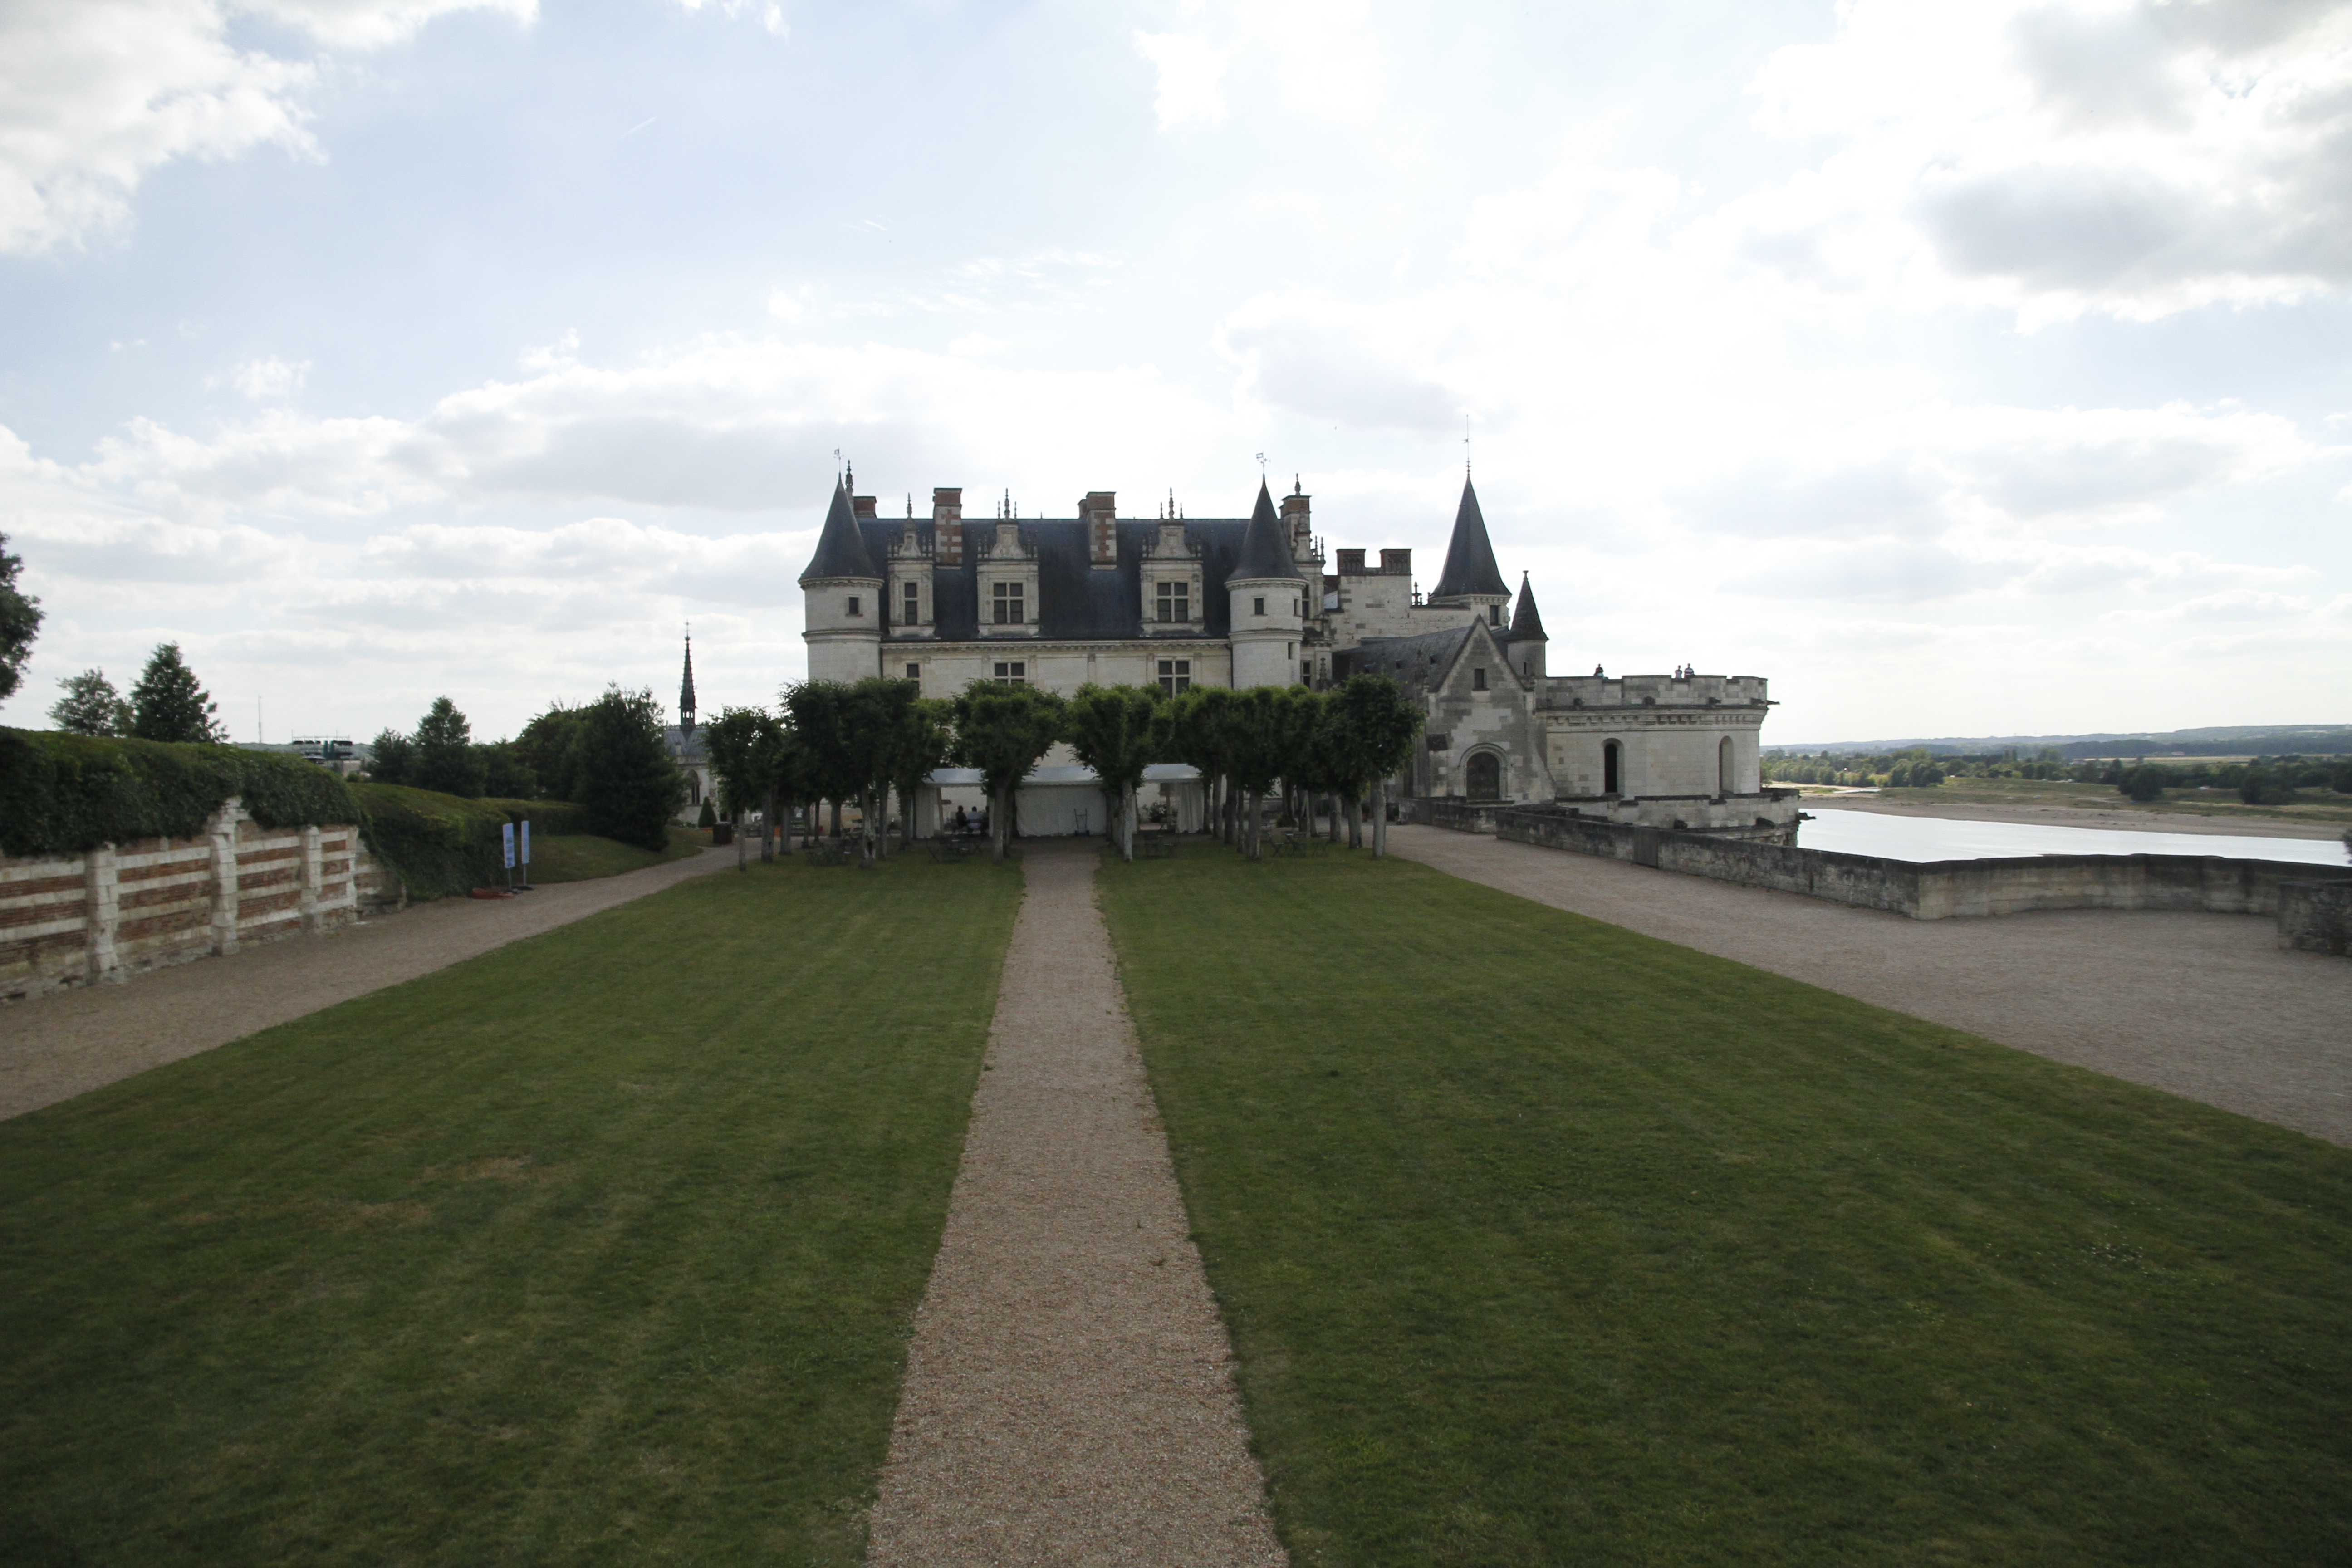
<point x="1937" y="890"/>
<point x="2316" y="917"/>
<point x="98" y="917"/>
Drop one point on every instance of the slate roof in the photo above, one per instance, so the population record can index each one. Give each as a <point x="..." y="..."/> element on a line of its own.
<point x="1414" y="663"/>
<point x="841" y="548"/>
<point x="1469" y="558"/>
<point x="1265" y="552"/>
<point x="1076" y="602"/>
<point x="1524" y="620"/>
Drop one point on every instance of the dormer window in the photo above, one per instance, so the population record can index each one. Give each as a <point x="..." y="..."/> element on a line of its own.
<point x="1009" y="604"/>
<point x="912" y="593"/>
<point x="854" y="606"/>
<point x="1174" y="602"/>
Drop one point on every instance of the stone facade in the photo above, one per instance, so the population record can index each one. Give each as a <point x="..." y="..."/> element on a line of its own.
<point x="1240" y="602"/>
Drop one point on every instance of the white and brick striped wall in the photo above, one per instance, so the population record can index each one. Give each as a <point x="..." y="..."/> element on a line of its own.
<point x="99" y="917"/>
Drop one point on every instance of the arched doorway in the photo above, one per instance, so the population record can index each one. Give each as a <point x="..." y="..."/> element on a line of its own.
<point x="1723" y="767"/>
<point x="1485" y="776"/>
<point x="1613" y="769"/>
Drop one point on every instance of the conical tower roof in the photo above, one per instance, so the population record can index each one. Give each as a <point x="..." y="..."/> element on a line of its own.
<point x="686" y="690"/>
<point x="1469" y="560"/>
<point x="1525" y="622"/>
<point x="841" y="549"/>
<point x="1265" y="552"/>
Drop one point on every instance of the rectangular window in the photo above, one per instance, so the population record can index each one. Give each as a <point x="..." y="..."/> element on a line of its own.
<point x="1306" y="671"/>
<point x="1257" y="606"/>
<point x="1477" y="678"/>
<point x="914" y="611"/>
<point x="915" y="672"/>
<point x="1174" y="602"/>
<point x="1494" y="615"/>
<point x="1007" y="598"/>
<point x="1175" y="674"/>
<point x="1013" y="672"/>
<point x="855" y="607"/>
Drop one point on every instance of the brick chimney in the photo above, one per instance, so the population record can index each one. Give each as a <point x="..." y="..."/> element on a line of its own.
<point x="1099" y="511"/>
<point x="1397" y="561"/>
<point x="947" y="517"/>
<point x="1351" y="564"/>
<point x="865" y="505"/>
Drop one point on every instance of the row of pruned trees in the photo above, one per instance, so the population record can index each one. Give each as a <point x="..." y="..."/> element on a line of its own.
<point x="842" y="743"/>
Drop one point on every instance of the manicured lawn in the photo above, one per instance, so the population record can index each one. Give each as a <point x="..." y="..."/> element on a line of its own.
<point x="1541" y="1241"/>
<point x="577" y="856"/>
<point x="600" y="1248"/>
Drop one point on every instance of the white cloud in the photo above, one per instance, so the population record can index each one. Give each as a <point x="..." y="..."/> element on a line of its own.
<point x="767" y="13"/>
<point x="1192" y="72"/>
<point x="2139" y="158"/>
<point x="96" y="94"/>
<point x="271" y="377"/>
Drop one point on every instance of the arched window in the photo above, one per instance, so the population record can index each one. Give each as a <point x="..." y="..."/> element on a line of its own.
<point x="1613" y="769"/>
<point x="1723" y="767"/>
<point x="1485" y="776"/>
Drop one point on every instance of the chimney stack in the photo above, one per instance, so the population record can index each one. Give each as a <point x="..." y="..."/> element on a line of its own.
<point x="1397" y="561"/>
<point x="865" y="505"/>
<point x="947" y="518"/>
<point x="1100" y="513"/>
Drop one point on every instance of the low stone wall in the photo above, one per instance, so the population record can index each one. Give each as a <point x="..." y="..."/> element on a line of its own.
<point x="2316" y="917"/>
<point x="98" y="917"/>
<point x="1461" y="815"/>
<point x="1941" y="888"/>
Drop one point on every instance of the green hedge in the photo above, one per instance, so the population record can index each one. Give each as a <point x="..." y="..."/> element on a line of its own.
<point x="60" y="795"/>
<point x="438" y="845"/>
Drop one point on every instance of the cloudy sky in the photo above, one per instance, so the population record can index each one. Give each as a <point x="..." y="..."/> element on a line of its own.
<point x="1965" y="368"/>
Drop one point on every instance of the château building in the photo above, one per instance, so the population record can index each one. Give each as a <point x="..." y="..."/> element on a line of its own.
<point x="1181" y="602"/>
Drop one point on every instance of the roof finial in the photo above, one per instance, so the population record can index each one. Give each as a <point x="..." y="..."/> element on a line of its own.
<point x="850" y="483"/>
<point x="1466" y="445"/>
<point x="910" y="506"/>
<point x="1297" y="488"/>
<point x="1261" y="466"/>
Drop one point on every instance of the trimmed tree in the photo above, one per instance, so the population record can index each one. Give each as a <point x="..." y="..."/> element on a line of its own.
<point x="1372" y="737"/>
<point x="747" y="751"/>
<point x="1003" y="730"/>
<point x="627" y="781"/>
<point x="20" y="622"/>
<point x="1116" y="731"/>
<point x="90" y="705"/>
<point x="169" y="704"/>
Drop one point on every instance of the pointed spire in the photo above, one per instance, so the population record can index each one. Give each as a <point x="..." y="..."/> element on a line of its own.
<point x="840" y="549"/>
<point x="1526" y="625"/>
<point x="1265" y="552"/>
<point x="686" y="687"/>
<point x="1470" y="559"/>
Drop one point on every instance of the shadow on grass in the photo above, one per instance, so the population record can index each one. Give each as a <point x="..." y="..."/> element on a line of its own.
<point x="1543" y="1241"/>
<point x="601" y="1247"/>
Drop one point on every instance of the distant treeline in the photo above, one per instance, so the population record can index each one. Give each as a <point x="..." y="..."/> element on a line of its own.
<point x="2295" y="740"/>
<point x="2263" y="781"/>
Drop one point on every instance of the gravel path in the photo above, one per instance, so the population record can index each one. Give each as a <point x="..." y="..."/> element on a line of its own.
<point x="1069" y="1394"/>
<point x="2208" y="1006"/>
<point x="53" y="1047"/>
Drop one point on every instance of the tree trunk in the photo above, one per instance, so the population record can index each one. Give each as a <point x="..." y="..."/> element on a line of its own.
<point x="865" y="828"/>
<point x="768" y="829"/>
<point x="1355" y="819"/>
<point x="1379" y="817"/>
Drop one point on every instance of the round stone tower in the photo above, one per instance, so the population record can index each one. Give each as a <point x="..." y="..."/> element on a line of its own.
<point x="1268" y="600"/>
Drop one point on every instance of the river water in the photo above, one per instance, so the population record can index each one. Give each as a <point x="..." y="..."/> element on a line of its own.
<point x="1924" y="838"/>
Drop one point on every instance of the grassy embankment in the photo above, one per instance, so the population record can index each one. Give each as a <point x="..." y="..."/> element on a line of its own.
<point x="601" y="1247"/>
<point x="2312" y="805"/>
<point x="579" y="856"/>
<point x="1543" y="1241"/>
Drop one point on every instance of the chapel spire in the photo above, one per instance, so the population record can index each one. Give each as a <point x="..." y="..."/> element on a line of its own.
<point x="685" y="688"/>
